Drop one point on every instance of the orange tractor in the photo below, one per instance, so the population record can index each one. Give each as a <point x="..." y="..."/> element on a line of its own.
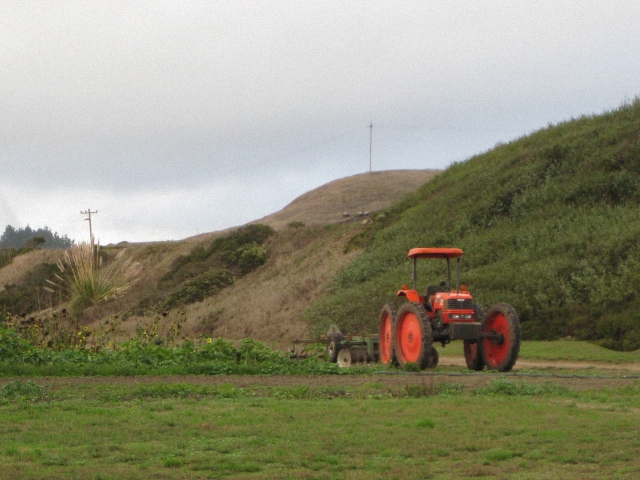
<point x="444" y="314"/>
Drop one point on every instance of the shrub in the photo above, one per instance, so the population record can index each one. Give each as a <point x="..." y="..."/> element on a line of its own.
<point x="12" y="345"/>
<point x="200" y="287"/>
<point x="251" y="256"/>
<point x="88" y="281"/>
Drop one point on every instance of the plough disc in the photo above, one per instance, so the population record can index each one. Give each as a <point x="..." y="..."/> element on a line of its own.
<point x="344" y="358"/>
<point x="348" y="357"/>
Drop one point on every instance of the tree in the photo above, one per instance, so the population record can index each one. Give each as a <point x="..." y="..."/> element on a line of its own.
<point x="30" y="238"/>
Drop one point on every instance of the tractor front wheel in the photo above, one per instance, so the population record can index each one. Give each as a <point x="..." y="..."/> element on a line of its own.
<point x="413" y="335"/>
<point x="385" y="335"/>
<point x="434" y="359"/>
<point x="473" y="355"/>
<point x="501" y="352"/>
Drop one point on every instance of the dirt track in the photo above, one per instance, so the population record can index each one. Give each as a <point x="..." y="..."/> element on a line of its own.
<point x="612" y="368"/>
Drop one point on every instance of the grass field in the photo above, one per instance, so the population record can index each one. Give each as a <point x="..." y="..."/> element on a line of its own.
<point x="504" y="428"/>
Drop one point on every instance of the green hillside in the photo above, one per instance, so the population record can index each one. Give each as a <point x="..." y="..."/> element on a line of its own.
<point x="549" y="223"/>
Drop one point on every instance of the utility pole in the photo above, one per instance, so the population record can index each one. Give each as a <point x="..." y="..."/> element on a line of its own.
<point x="370" y="143"/>
<point x="89" y="212"/>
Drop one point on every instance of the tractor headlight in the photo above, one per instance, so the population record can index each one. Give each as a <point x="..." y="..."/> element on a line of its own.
<point x="461" y="316"/>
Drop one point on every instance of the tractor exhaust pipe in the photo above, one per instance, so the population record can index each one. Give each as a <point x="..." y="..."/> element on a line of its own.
<point x="415" y="274"/>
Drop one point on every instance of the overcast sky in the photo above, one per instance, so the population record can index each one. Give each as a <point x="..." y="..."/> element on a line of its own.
<point x="183" y="117"/>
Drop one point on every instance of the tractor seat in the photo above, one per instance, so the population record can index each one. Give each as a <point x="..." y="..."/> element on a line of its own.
<point x="432" y="290"/>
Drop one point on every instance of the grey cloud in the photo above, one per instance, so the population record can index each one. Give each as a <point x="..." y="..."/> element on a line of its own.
<point x="160" y="96"/>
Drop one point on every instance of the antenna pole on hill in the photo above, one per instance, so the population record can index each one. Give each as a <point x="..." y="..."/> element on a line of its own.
<point x="370" y="143"/>
<point x="89" y="212"/>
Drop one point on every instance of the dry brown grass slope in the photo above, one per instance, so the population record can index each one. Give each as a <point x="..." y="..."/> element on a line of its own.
<point x="267" y="304"/>
<point x="12" y="273"/>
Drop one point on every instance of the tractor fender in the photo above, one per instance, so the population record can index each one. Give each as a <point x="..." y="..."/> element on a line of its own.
<point x="412" y="295"/>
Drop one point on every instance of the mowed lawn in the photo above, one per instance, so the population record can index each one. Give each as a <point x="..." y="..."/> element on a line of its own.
<point x="182" y="431"/>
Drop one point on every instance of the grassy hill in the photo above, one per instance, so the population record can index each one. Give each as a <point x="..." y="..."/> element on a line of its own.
<point x="369" y="192"/>
<point x="549" y="223"/>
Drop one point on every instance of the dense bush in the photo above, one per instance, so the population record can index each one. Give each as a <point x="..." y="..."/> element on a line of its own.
<point x="200" y="287"/>
<point x="225" y="251"/>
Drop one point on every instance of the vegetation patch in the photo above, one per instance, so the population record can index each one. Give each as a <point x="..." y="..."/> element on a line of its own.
<point x="88" y="280"/>
<point x="54" y="349"/>
<point x="503" y="386"/>
<point x="199" y="287"/>
<point x="22" y="391"/>
<point x="29" y="293"/>
<point x="207" y="269"/>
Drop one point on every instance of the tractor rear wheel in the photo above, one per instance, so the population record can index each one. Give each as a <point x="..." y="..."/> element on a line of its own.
<point x="501" y="353"/>
<point x="385" y="335"/>
<point x="413" y="335"/>
<point x="473" y="355"/>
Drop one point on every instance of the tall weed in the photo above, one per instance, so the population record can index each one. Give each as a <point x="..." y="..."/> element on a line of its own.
<point x="89" y="279"/>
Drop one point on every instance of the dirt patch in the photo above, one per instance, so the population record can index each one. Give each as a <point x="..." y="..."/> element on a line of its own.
<point x="611" y="368"/>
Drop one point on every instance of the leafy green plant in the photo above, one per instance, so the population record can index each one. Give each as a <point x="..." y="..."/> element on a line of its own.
<point x="56" y="331"/>
<point x="251" y="256"/>
<point x="12" y="346"/>
<point x="20" y="390"/>
<point x="148" y="353"/>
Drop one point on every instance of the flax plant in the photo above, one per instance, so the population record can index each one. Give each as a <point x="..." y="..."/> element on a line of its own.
<point x="89" y="281"/>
